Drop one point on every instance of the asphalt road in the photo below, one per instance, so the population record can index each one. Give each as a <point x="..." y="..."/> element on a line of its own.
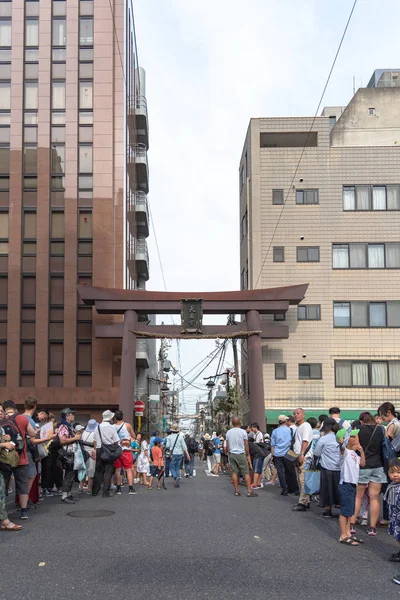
<point x="195" y="542"/>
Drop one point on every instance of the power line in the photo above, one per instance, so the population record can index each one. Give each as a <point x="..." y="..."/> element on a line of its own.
<point x="306" y="142"/>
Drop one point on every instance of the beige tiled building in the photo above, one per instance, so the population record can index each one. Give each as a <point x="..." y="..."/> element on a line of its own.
<point x="320" y="204"/>
<point x="73" y="194"/>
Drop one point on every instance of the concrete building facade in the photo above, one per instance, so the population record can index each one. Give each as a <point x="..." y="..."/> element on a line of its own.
<point x="320" y="204"/>
<point x="73" y="195"/>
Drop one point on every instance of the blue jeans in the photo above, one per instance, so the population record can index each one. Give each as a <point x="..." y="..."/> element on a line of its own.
<point x="167" y="465"/>
<point x="175" y="465"/>
<point x="189" y="466"/>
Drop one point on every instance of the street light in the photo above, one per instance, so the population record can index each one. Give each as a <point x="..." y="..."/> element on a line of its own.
<point x="164" y="387"/>
<point x="210" y="384"/>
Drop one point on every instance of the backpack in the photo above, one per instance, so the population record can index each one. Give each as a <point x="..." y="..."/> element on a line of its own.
<point x="11" y="428"/>
<point x="211" y="447"/>
<point x="388" y="451"/>
<point x="193" y="446"/>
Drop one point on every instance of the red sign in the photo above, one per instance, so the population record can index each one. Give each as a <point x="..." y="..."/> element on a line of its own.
<point x="139" y="406"/>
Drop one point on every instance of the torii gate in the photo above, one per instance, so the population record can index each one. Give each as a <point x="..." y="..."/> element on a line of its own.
<point x="191" y="307"/>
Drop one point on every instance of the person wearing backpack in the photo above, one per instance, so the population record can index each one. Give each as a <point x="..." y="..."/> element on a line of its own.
<point x="67" y="438"/>
<point x="5" y="523"/>
<point x="192" y="447"/>
<point x="208" y="451"/>
<point x="176" y="449"/>
<point x="106" y="435"/>
<point x="18" y="427"/>
<point x="334" y="413"/>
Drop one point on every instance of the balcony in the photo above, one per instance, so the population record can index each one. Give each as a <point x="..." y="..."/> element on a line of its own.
<point x="137" y="212"/>
<point x="138" y="168"/>
<point x="142" y="353"/>
<point x="138" y="119"/>
<point x="138" y="259"/>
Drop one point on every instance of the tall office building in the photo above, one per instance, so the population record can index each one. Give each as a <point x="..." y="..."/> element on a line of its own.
<point x="331" y="220"/>
<point x="73" y="194"/>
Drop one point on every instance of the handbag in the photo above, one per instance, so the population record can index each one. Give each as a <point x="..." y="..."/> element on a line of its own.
<point x="109" y="453"/>
<point x="9" y="458"/>
<point x="66" y="458"/>
<point x="291" y="455"/>
<point x="167" y="452"/>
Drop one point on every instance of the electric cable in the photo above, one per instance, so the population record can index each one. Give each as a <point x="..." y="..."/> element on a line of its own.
<point x="306" y="142"/>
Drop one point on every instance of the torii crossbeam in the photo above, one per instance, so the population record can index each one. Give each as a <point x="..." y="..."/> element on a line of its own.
<point x="191" y="306"/>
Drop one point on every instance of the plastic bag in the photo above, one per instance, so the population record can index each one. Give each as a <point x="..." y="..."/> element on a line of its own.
<point x="312" y="482"/>
<point x="79" y="461"/>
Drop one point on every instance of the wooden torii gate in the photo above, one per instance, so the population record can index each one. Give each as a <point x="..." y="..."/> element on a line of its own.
<point x="191" y="306"/>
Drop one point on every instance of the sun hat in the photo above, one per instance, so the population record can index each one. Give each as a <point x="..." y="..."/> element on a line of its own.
<point x="92" y="425"/>
<point x="107" y="415"/>
<point x="175" y="428"/>
<point x="341" y="434"/>
<point x="282" y="419"/>
<point x="207" y="436"/>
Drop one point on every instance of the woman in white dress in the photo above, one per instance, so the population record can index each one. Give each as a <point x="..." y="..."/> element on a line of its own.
<point x="143" y="463"/>
<point x="87" y="443"/>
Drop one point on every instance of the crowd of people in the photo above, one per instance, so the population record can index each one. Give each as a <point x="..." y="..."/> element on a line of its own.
<point x="40" y="457"/>
<point x="353" y="468"/>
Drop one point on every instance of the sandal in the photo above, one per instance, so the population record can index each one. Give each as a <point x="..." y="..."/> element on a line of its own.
<point x="10" y="527"/>
<point x="348" y="541"/>
<point x="237" y="493"/>
<point x="252" y="495"/>
<point x="356" y="539"/>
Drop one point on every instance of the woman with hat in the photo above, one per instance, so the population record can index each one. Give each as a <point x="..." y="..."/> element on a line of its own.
<point x="87" y="442"/>
<point x="207" y="452"/>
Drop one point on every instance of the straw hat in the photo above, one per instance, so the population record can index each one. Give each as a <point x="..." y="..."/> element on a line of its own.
<point x="207" y="436"/>
<point x="175" y="428"/>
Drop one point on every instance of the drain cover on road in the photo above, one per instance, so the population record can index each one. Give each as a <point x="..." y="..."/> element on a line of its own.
<point x="90" y="514"/>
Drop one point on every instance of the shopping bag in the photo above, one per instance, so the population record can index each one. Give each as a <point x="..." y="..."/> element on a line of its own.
<point x="312" y="481"/>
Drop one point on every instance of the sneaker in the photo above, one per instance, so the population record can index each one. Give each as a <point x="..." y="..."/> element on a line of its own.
<point x="372" y="531"/>
<point x="24" y="514"/>
<point x="395" y="557"/>
<point x="119" y="490"/>
<point x="59" y="492"/>
<point x="132" y="491"/>
<point x="396" y="579"/>
<point x="327" y="514"/>
<point x="299" y="508"/>
<point x="68" y="500"/>
<point x="47" y="494"/>
<point x="352" y="529"/>
<point x="364" y="522"/>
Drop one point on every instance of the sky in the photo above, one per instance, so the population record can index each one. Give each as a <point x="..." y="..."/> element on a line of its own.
<point x="212" y="65"/>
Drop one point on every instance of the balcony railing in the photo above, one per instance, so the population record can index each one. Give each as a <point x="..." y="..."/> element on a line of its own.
<point x="138" y="104"/>
<point x="137" y="202"/>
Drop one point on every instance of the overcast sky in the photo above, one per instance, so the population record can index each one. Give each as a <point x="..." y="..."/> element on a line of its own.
<point x="212" y="65"/>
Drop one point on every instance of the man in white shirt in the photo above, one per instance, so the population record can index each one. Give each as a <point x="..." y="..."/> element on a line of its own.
<point x="104" y="434"/>
<point x="334" y="413"/>
<point x="256" y="430"/>
<point x="302" y="446"/>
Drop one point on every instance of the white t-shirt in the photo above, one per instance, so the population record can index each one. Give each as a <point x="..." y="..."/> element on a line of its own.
<point x="259" y="438"/>
<point x="303" y="433"/>
<point x="349" y="466"/>
<point x="235" y="438"/>
<point x="109" y="434"/>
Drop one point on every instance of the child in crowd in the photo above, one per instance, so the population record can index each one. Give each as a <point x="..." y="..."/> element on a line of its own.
<point x="392" y="497"/>
<point x="125" y="462"/>
<point x="157" y="466"/>
<point x="350" y="462"/>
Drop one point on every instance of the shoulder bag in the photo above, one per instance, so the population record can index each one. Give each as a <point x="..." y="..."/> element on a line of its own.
<point x="168" y="453"/>
<point x="109" y="453"/>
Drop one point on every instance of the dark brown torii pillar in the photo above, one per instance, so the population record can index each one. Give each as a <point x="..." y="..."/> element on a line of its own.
<point x="255" y="370"/>
<point x="128" y="364"/>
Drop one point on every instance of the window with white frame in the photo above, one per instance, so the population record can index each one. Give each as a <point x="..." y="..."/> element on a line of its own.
<point x="367" y="373"/>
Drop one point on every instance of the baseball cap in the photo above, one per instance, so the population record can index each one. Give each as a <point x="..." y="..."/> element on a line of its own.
<point x="341" y="434"/>
<point x="44" y="410"/>
<point x="282" y="418"/>
<point x="157" y="440"/>
<point x="79" y="428"/>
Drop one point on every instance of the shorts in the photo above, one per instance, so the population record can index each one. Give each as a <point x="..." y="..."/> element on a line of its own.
<point x="347" y="493"/>
<point x="125" y="461"/>
<point x="239" y="464"/>
<point x="32" y="471"/>
<point x="21" y="476"/>
<point x="258" y="465"/>
<point x="155" y="471"/>
<point x="217" y="458"/>
<point x="377" y="475"/>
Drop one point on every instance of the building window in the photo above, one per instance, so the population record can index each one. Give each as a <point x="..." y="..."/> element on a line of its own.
<point x="309" y="312"/>
<point x="278" y="254"/>
<point x="371" y="197"/>
<point x="307" y="197"/>
<point x="84" y="364"/>
<point x="58" y="96"/>
<point x="307" y="254"/>
<point x="3" y="235"/>
<point x="32" y="32"/>
<point x="367" y="373"/>
<point x="5" y="33"/>
<point x="310" y="371"/>
<point x="85" y="159"/>
<point x="5" y="95"/>
<point x="277" y="197"/>
<point x="85" y="225"/>
<point x="244" y="226"/>
<point x="27" y="378"/>
<point x="86" y="95"/>
<point x="280" y="370"/>
<point x="56" y="291"/>
<point x="85" y="32"/>
<point x="31" y="95"/>
<point x="366" y="256"/>
<point x="366" y="314"/>
<point x="59" y="32"/>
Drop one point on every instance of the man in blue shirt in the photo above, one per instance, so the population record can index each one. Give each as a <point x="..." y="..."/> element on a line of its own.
<point x="281" y="440"/>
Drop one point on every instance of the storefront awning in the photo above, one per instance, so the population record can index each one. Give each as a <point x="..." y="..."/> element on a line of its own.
<point x="348" y="414"/>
